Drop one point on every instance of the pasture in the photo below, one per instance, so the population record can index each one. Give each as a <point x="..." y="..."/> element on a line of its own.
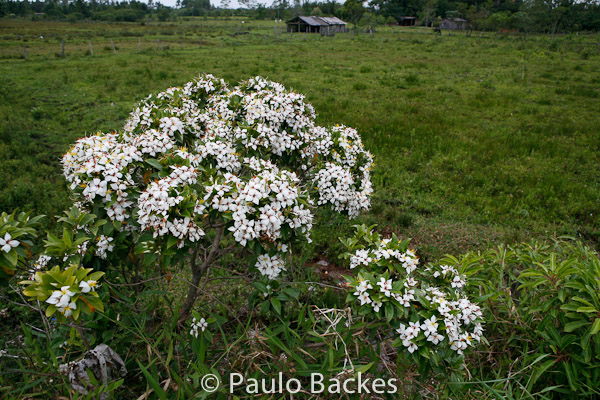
<point x="478" y="139"/>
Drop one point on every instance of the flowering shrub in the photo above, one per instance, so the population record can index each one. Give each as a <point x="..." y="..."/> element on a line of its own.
<point x="57" y="277"/>
<point x="425" y="304"/>
<point x="16" y="234"/>
<point x="72" y="291"/>
<point x="198" y="163"/>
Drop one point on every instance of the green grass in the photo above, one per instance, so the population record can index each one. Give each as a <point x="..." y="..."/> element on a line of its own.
<point x="477" y="139"/>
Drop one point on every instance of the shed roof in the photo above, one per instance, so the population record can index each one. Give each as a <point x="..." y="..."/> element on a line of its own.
<point x="333" y="20"/>
<point x="319" y="21"/>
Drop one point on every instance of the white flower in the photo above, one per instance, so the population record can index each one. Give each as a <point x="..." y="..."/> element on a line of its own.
<point x="361" y="257"/>
<point x="376" y="305"/>
<point x="430" y="325"/>
<point x="201" y="324"/>
<point x="402" y="329"/>
<point x="363" y="286"/>
<point x="60" y="298"/>
<point x="385" y="286"/>
<point x="67" y="309"/>
<point x="443" y="309"/>
<point x="413" y="329"/>
<point x="7" y="243"/>
<point x="364" y="298"/>
<point x="412" y="347"/>
<point x="435" y="338"/>
<point x="88" y="286"/>
<point x="458" y="282"/>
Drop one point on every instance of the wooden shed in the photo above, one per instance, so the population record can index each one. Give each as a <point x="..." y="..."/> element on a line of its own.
<point x="453" y="24"/>
<point x="407" y="21"/>
<point x="323" y="25"/>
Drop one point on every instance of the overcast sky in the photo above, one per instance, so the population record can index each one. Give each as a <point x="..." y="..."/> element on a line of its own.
<point x="217" y="3"/>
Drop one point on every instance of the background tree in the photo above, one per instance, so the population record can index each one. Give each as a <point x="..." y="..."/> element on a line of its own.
<point x="353" y="11"/>
<point x="428" y="14"/>
<point x="316" y="11"/>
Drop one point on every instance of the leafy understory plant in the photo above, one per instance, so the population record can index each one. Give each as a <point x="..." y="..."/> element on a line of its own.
<point x="17" y="232"/>
<point x="434" y="320"/>
<point x="199" y="172"/>
<point x="543" y="300"/>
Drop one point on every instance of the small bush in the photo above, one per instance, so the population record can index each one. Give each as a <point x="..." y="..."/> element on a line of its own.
<point x="543" y="305"/>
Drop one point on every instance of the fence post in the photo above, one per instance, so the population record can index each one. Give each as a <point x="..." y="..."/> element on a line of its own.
<point x="25" y="50"/>
<point x="62" y="47"/>
<point x="139" y="44"/>
<point x="113" y="46"/>
<point x="162" y="46"/>
<point x="157" y="44"/>
<point x="91" y="49"/>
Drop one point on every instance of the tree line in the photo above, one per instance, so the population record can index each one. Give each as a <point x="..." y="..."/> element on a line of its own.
<point x="549" y="16"/>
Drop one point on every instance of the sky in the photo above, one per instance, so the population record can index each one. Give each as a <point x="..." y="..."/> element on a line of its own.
<point x="217" y="3"/>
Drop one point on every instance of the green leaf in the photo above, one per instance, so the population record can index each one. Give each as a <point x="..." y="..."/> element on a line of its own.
<point x="153" y="382"/>
<point x="264" y="307"/>
<point x="596" y="326"/>
<point x="389" y="312"/>
<point x="539" y="371"/>
<point x="571" y="326"/>
<point x="363" y="368"/>
<point x="171" y="241"/>
<point x="570" y="376"/>
<point x="586" y="310"/>
<point x="95" y="302"/>
<point x="11" y="257"/>
<point x="276" y="304"/>
<point x="260" y="287"/>
<point x="67" y="238"/>
<point x="153" y="162"/>
<point x="292" y="293"/>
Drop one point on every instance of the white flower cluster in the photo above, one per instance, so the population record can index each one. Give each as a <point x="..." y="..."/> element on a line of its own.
<point x="157" y="201"/>
<point x="203" y="154"/>
<point x="103" y="246"/>
<point x="262" y="205"/>
<point x="389" y="276"/>
<point x="445" y="271"/>
<point x="101" y="166"/>
<point x="62" y="300"/>
<point x="456" y="318"/>
<point x="270" y="267"/>
<point x="198" y="324"/>
<point x="38" y="265"/>
<point x="345" y="181"/>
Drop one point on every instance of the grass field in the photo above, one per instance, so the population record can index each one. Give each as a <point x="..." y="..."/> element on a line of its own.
<point x="476" y="138"/>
